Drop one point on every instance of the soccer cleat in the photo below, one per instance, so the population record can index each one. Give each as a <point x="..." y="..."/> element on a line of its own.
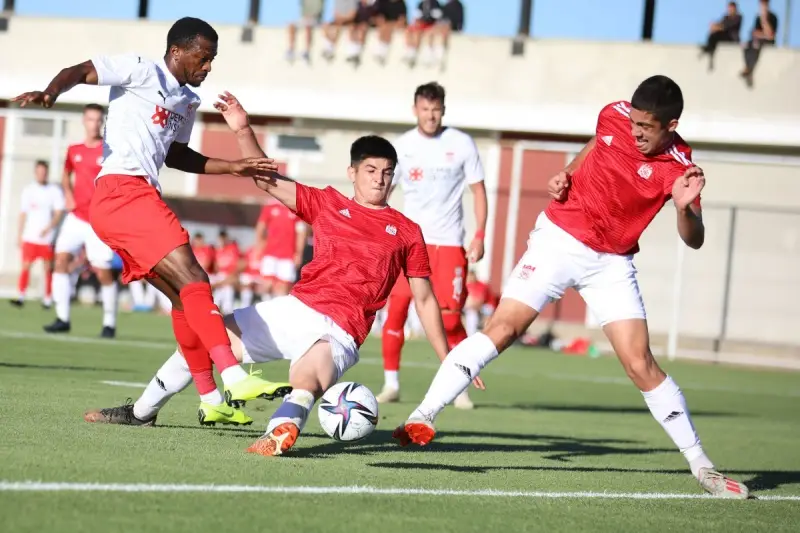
<point x="210" y="415"/>
<point x="58" y="326"/>
<point x="462" y="401"/>
<point x="46" y="305"/>
<point x="253" y="387"/>
<point x="122" y="415"/>
<point x="17" y="303"/>
<point x="414" y="431"/>
<point x="388" y="395"/>
<point x="277" y="441"/>
<point x="721" y="486"/>
<point x="108" y="332"/>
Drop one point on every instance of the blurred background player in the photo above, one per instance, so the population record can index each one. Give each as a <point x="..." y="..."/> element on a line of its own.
<point x="481" y="303"/>
<point x="426" y="16"/>
<point x="344" y="16"/>
<point x="226" y="272"/>
<point x="83" y="162"/>
<point x="204" y="252"/>
<point x="282" y="236"/>
<point x="435" y="164"/>
<point x="392" y="15"/>
<point x="42" y="207"/>
<point x="250" y="280"/>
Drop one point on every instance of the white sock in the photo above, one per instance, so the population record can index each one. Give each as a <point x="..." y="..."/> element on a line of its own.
<point x="62" y="292"/>
<point x="328" y="46"/>
<point x="171" y="378"/>
<point x="353" y="50"/>
<point x="472" y="321"/>
<point x="137" y="291"/>
<point x="459" y="368"/>
<point x="381" y="50"/>
<point x="233" y="374"/>
<point x="411" y="52"/>
<point x="295" y="409"/>
<point x="391" y="379"/>
<point x="108" y="294"/>
<point x="668" y="407"/>
<point x="212" y="398"/>
<point x="438" y="52"/>
<point x="427" y="54"/>
<point x="247" y="297"/>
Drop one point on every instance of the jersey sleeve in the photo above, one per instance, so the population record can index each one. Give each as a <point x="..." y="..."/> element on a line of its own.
<point x="121" y="70"/>
<point x="309" y="202"/>
<point x="417" y="264"/>
<point x="473" y="168"/>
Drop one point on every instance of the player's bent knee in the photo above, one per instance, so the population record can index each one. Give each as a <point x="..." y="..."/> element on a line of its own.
<point x="62" y="263"/>
<point x="315" y="371"/>
<point x="643" y="370"/>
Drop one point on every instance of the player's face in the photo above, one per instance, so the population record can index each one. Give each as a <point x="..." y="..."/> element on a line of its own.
<point x="649" y="134"/>
<point x="194" y="62"/>
<point x="372" y="179"/>
<point x="429" y="115"/>
<point x="92" y="123"/>
<point x="40" y="173"/>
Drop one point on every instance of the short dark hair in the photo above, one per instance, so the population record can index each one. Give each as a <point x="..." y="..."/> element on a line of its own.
<point x="223" y="233"/>
<point x="42" y="163"/>
<point x="659" y="96"/>
<point x="184" y="32"/>
<point x="93" y="107"/>
<point x="198" y="235"/>
<point x="430" y="91"/>
<point x="372" y="146"/>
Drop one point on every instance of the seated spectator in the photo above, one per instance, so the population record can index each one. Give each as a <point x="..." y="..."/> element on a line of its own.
<point x="764" y="32"/>
<point x="311" y="16"/>
<point x="427" y="14"/>
<point x="452" y="21"/>
<point x="726" y="30"/>
<point x="344" y="15"/>
<point x="391" y="17"/>
<point x="366" y="15"/>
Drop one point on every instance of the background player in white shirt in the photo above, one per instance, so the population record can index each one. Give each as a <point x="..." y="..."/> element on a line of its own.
<point x="435" y="164"/>
<point x="41" y="209"/>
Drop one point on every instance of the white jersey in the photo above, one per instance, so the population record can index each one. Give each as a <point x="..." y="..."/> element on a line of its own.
<point x="432" y="172"/>
<point x="39" y="203"/>
<point x="148" y="109"/>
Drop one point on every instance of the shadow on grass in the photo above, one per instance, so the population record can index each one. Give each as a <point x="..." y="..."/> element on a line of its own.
<point x="643" y="410"/>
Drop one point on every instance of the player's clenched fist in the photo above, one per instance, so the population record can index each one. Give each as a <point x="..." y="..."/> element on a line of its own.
<point x="558" y="185"/>
<point x="686" y="189"/>
<point x="253" y="166"/>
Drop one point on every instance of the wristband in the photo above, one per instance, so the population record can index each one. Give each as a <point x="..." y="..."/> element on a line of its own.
<point x="480" y="234"/>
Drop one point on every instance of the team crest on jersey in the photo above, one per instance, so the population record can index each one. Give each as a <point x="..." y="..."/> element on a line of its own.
<point x="526" y="271"/>
<point x="415" y="174"/>
<point x="645" y="171"/>
<point x="391" y="230"/>
<point x="78" y="158"/>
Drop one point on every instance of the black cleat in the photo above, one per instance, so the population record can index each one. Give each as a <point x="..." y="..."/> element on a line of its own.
<point x="108" y="332"/>
<point x="122" y="415"/>
<point x="58" y="326"/>
<point x="17" y="303"/>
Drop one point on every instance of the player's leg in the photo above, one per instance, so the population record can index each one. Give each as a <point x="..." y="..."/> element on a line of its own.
<point x="100" y="256"/>
<point x="70" y="241"/>
<point x="24" y="274"/>
<point x="392" y="340"/>
<point x="47" y="268"/>
<point x="613" y="296"/>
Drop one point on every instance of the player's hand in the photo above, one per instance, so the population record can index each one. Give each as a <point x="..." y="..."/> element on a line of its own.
<point x="69" y="203"/>
<point x="36" y="98"/>
<point x="478" y="383"/>
<point x="558" y="186"/>
<point x="44" y="232"/>
<point x="253" y="167"/>
<point x="233" y="112"/>
<point x="475" y="251"/>
<point x="687" y="188"/>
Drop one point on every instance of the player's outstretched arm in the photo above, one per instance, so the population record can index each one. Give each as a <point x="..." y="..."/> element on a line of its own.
<point x="82" y="73"/>
<point x="686" y="194"/>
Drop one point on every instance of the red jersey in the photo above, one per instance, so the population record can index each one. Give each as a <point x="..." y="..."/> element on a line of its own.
<point x="205" y="256"/>
<point x="281" y="225"/>
<point x="358" y="255"/>
<point x="483" y="292"/>
<point x="617" y="191"/>
<point x="226" y="260"/>
<point x="84" y="162"/>
<point x="253" y="259"/>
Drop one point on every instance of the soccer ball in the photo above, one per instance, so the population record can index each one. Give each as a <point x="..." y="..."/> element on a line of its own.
<point x="348" y="411"/>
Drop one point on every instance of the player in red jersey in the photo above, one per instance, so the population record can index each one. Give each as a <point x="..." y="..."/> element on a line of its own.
<point x="586" y="239"/>
<point x="282" y="236"/>
<point x="151" y="114"/>
<point x="250" y="280"/>
<point x="481" y="303"/>
<point x="204" y="252"/>
<point x="226" y="272"/>
<point x="361" y="246"/>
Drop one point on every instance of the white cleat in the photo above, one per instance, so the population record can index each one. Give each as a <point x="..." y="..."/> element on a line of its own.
<point x="722" y="487"/>
<point x="388" y="395"/>
<point x="462" y="401"/>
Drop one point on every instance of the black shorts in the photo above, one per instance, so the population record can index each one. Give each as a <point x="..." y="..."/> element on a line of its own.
<point x="366" y="13"/>
<point x="392" y="11"/>
<point x="453" y="13"/>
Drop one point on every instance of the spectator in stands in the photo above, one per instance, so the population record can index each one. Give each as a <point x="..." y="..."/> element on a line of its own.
<point x="390" y="18"/>
<point x="427" y="14"/>
<point x="344" y="16"/>
<point x="366" y="17"/>
<point x="725" y="31"/>
<point x="764" y="32"/>
<point x="452" y="21"/>
<point x="311" y="16"/>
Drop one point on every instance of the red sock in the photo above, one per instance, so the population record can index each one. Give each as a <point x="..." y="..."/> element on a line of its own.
<point x="205" y="319"/>
<point x="24" y="278"/>
<point x="454" y="329"/>
<point x="48" y="284"/>
<point x="393" y="335"/>
<point x="194" y="352"/>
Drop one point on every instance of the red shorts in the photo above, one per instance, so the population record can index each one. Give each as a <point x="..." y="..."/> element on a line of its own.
<point x="128" y="214"/>
<point x="419" y="25"/>
<point x="449" y="267"/>
<point x="31" y="252"/>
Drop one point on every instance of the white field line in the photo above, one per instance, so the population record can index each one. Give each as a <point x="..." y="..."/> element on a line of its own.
<point x="131" y="384"/>
<point x="604" y="380"/>
<point x="38" y="486"/>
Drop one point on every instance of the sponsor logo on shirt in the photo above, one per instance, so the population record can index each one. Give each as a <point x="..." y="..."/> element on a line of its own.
<point x="167" y="119"/>
<point x="645" y="171"/>
<point x="415" y="174"/>
<point x="345" y="212"/>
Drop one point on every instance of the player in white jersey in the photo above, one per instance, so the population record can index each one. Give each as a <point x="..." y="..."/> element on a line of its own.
<point x="435" y="165"/>
<point x="40" y="212"/>
<point x="150" y="117"/>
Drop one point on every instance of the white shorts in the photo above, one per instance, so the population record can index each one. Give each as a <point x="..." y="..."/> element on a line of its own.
<point x="75" y="234"/>
<point x="286" y="328"/>
<point x="556" y="261"/>
<point x="281" y="269"/>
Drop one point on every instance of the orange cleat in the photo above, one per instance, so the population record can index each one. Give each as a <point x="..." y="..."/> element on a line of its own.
<point x="277" y="441"/>
<point x="414" y="431"/>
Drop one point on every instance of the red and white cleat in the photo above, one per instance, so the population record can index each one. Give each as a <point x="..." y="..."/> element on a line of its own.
<point x="414" y="431"/>
<point x="721" y="486"/>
